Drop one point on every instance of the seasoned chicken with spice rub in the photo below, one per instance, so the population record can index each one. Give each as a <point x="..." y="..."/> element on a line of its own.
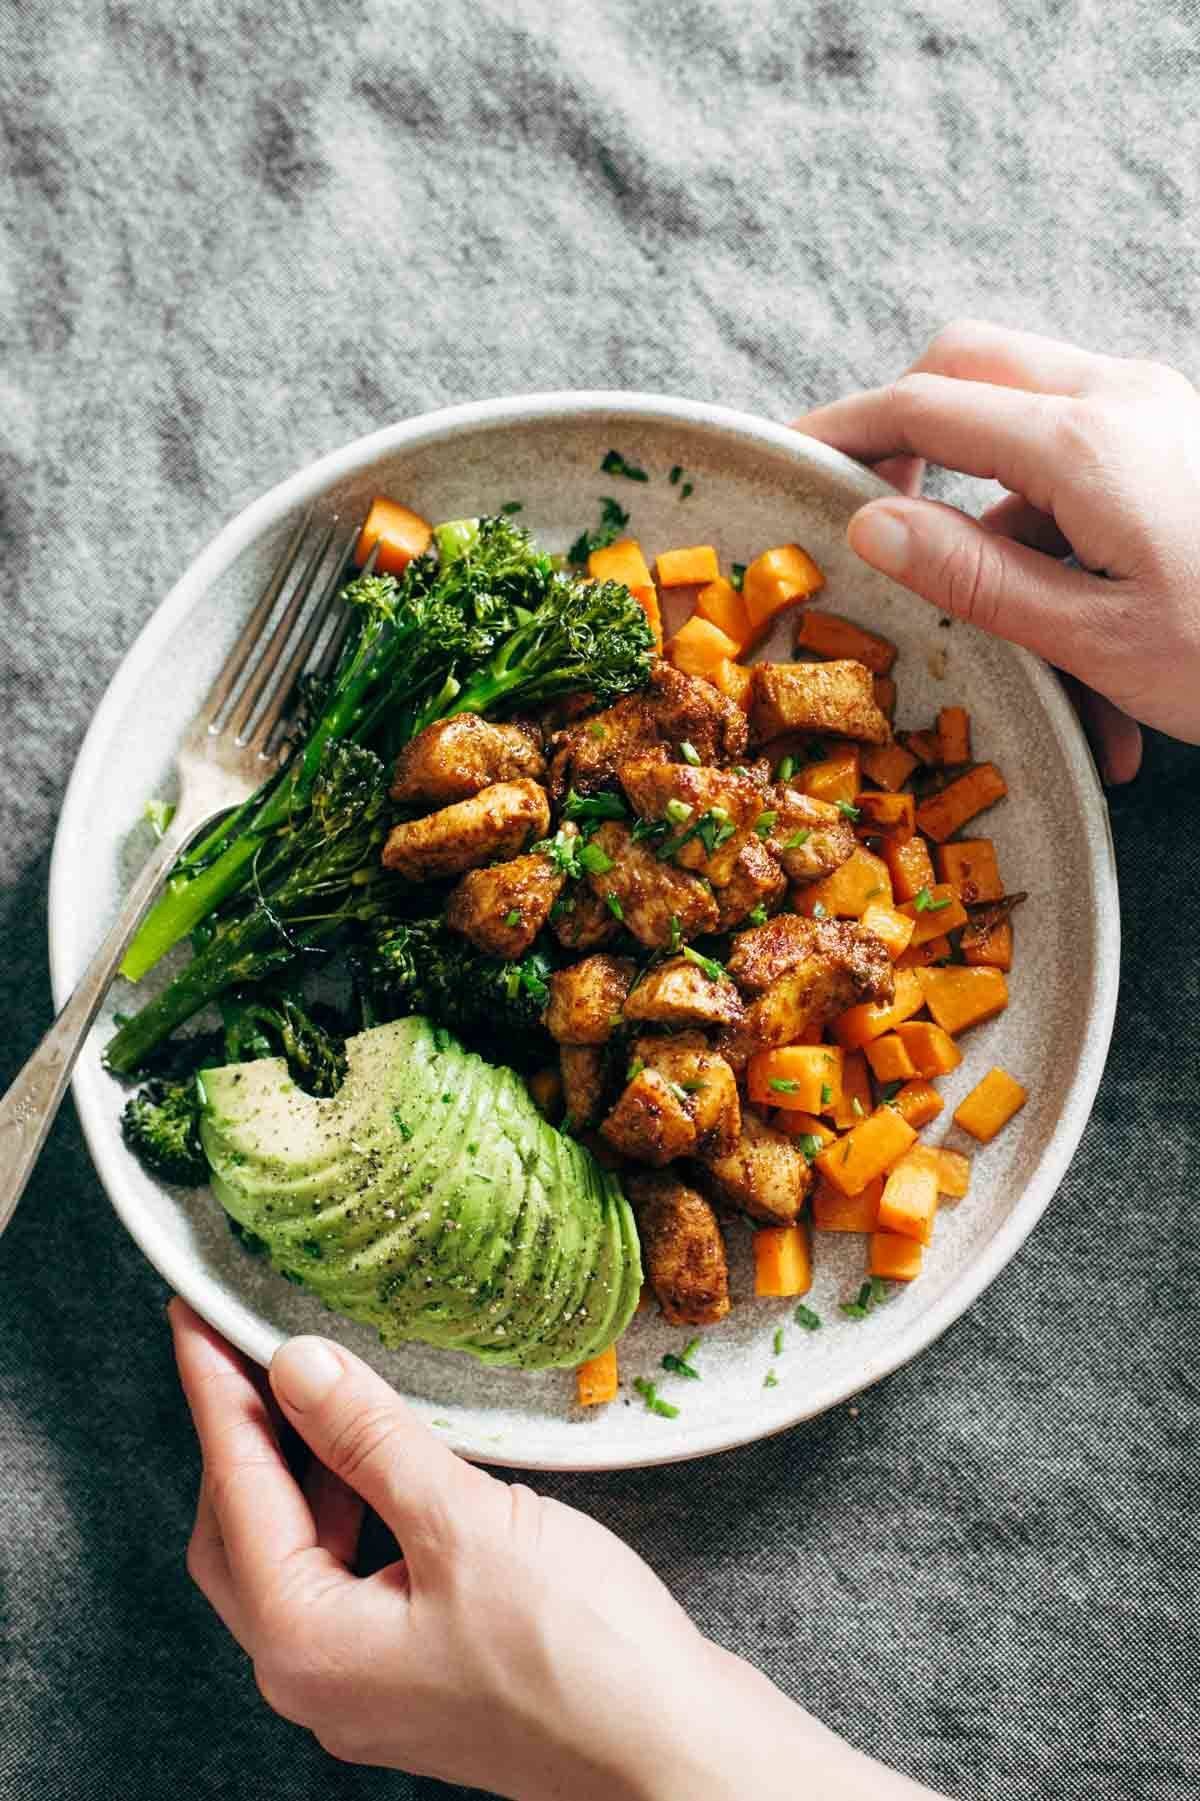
<point x="811" y="838"/>
<point x="680" y="1099"/>
<point x="655" y="901"/>
<point x="802" y="972"/>
<point x="586" y="999"/>
<point x="497" y="822"/>
<point x="708" y="813"/>
<point x="672" y="709"/>
<point x="504" y="907"/>
<point x="763" y="1175"/>
<point x="680" y="992"/>
<point x="835" y="697"/>
<point x="454" y="758"/>
<point x="682" y="1249"/>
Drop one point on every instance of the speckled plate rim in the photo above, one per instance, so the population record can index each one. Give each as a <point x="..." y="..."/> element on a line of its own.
<point x="256" y="1338"/>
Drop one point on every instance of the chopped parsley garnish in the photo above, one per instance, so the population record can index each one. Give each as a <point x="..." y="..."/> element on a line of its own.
<point x="820" y="911"/>
<point x="653" y="1400"/>
<point x="777" y="1341"/>
<point x="783" y="1085"/>
<point x="785" y="769"/>
<point x="889" y="1091"/>
<point x="647" y="828"/>
<point x="676" y="932"/>
<point x="635" y="1069"/>
<point x="513" y="917"/>
<point x="804" y="1316"/>
<point x="764" y="824"/>
<point x="595" y="860"/>
<point x="737" y="575"/>
<point x="924" y="902"/>
<point x="849" y="809"/>
<point x="615" y="464"/>
<point x="689" y="753"/>
<point x="675" y="474"/>
<point x="678" y="812"/>
<point x="795" y="840"/>
<point x="770" y="1380"/>
<point x="593" y="806"/>
<point x="872" y="1294"/>
<point x="757" y="915"/>
<point x="826" y="1095"/>
<point x="401" y="1125"/>
<point x="612" y="902"/>
<point x="713" y="970"/>
<point x="809" y="1146"/>
<point x="513" y="506"/>
<point x="613" y="520"/>
<point x="681" y="1365"/>
<point x="686" y="491"/>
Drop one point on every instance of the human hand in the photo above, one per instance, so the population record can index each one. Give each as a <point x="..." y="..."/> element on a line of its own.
<point x="1101" y="456"/>
<point x="517" y="1646"/>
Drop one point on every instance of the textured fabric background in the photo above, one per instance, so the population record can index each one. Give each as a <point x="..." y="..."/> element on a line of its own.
<point x="236" y="237"/>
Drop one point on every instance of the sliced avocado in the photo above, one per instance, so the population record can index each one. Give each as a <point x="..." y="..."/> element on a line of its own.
<point x="519" y="1249"/>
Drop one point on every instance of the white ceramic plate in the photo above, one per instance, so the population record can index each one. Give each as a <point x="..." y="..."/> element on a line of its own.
<point x="756" y="484"/>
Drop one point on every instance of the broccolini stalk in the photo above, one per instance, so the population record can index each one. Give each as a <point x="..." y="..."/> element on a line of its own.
<point x="307" y="883"/>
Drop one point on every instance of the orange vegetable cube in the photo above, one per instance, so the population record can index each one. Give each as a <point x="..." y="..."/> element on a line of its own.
<point x="933" y="1052"/>
<point x="909" y="1202"/>
<point x="894" y="1258"/>
<point x="782" y="1260"/>
<point x="885" y="815"/>
<point x="954" y="1173"/>
<point x="919" y="956"/>
<point x="621" y="562"/>
<point x="847" y="893"/>
<point x="734" y="680"/>
<point x="871" y="1019"/>
<point x="970" y="864"/>
<point x="918" y="1102"/>
<point x="889" y="1058"/>
<point x="400" y="534"/>
<point x="699" y="646"/>
<point x="647" y="599"/>
<point x="942" y="912"/>
<point x="676" y="568"/>
<point x="954" y="735"/>
<point x="884" y="690"/>
<point x="828" y="635"/>
<point x="909" y="866"/>
<point x="720" y="603"/>
<point x="943" y="814"/>
<point x="888" y="765"/>
<point x="854" y="1101"/>
<point x="867" y="1150"/>
<point x="545" y="1088"/>
<point x="804" y="1125"/>
<point x="596" y="1380"/>
<point x="924" y="746"/>
<point x="959" y="998"/>
<point x="893" y="928"/>
<point x="990" y="1105"/>
<point x="990" y="945"/>
<point x="779" y="578"/>
<point x="803" y="1078"/>
<point x="834" y="778"/>
<point x="833" y="1211"/>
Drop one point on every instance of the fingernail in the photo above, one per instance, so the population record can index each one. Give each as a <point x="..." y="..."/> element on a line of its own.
<point x="880" y="537"/>
<point x="302" y="1373"/>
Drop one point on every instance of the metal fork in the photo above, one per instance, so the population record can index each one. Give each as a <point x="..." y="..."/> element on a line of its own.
<point x="228" y="749"/>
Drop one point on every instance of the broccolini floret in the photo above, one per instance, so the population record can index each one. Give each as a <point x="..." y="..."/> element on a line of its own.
<point x="421" y="966"/>
<point x="161" y="1126"/>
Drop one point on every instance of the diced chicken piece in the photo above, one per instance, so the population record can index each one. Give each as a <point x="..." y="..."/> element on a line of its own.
<point x="582" y="1069"/>
<point x="586" y="999"/>
<point x="497" y="822"/>
<point x="815" y="697"/>
<point x="581" y="921"/>
<point x="653" y="785"/>
<point x="682" y="1248"/>
<point x="764" y="1174"/>
<point x="504" y="907"/>
<point x="705" y="1080"/>
<point x="650" y="1121"/>
<point x="670" y="710"/>
<point x="844" y="964"/>
<point x="764" y="953"/>
<point x="455" y="758"/>
<point x="811" y="838"/>
<point x="650" y="894"/>
<point x="757" y="881"/>
<point x="679" y="993"/>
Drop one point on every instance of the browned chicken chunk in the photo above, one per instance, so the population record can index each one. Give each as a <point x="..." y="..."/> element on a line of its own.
<point x="764" y="1174"/>
<point x="586" y="999"/>
<point x="581" y="921"/>
<point x="671" y="709"/>
<point x="843" y="964"/>
<point x="582" y="1069"/>
<point x="651" y="1121"/>
<point x="704" y="1079"/>
<point x="455" y="758"/>
<point x="498" y="822"/>
<point x="757" y="881"/>
<point x="683" y="1250"/>
<point x="504" y="907"/>
<point x="811" y="838"/>
<point x="647" y="894"/>
<point x="815" y="697"/>
<point x="728" y="803"/>
<point x="679" y="993"/>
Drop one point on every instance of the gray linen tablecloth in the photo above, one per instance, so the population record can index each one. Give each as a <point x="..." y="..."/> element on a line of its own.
<point x="236" y="237"/>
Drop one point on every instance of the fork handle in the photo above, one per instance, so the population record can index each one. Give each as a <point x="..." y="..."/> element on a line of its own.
<point x="28" y="1109"/>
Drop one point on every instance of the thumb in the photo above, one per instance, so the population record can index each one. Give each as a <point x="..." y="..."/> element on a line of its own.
<point x="991" y="581"/>
<point x="357" y="1426"/>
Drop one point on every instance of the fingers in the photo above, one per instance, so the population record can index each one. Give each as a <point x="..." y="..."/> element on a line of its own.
<point x="337" y="1513"/>
<point x="1013" y="517"/>
<point x="1115" y="738"/>
<point x="905" y="474"/>
<point x="362" y="1431"/>
<point x="264" y="1519"/>
<point x="209" y="1569"/>
<point x="993" y="582"/>
<point x="974" y="350"/>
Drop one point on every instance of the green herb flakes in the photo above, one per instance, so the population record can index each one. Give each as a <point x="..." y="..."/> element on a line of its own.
<point x="689" y="753"/>
<point x="653" y="1400"/>
<point x="615" y="464"/>
<point x="777" y="1341"/>
<point x="795" y="840"/>
<point x="402" y="1126"/>
<point x="785" y="769"/>
<point x="737" y="575"/>
<point x="712" y="969"/>
<point x="826" y="1095"/>
<point x="682" y="1364"/>
<point x="805" y="1317"/>
<point x="770" y="1380"/>
<point x="595" y="860"/>
<point x="675" y="474"/>
<point x="849" y="809"/>
<point x="765" y="823"/>
<point x="513" y="917"/>
<point x="612" y="902"/>
<point x="784" y="1085"/>
<point x="757" y="915"/>
<point x="513" y="506"/>
<point x="820" y="911"/>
